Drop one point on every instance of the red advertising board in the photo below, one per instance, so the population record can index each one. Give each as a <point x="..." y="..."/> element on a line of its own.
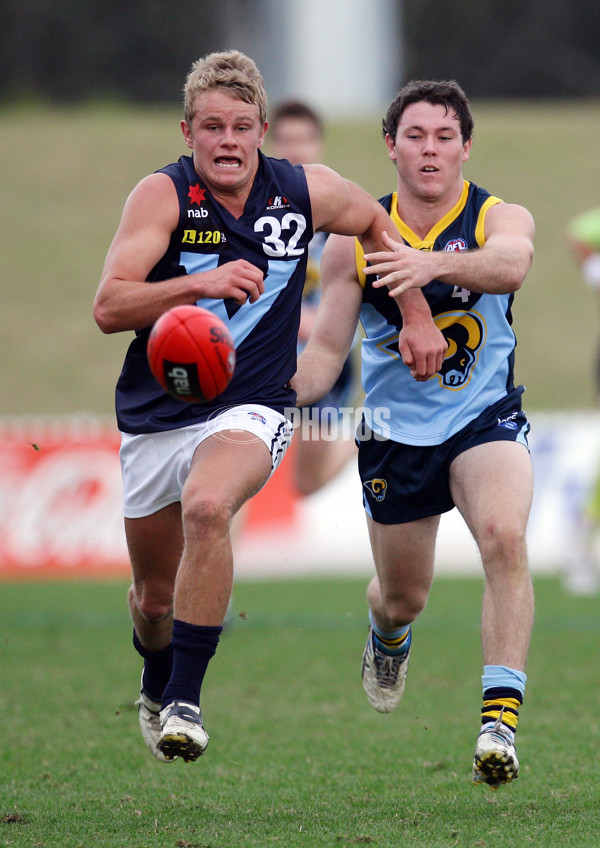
<point x="61" y="499"/>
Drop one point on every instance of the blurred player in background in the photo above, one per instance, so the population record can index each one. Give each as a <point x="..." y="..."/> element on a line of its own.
<point x="582" y="573"/>
<point x="296" y="133"/>
<point x="583" y="235"/>
<point x="227" y="229"/>
<point x="456" y="439"/>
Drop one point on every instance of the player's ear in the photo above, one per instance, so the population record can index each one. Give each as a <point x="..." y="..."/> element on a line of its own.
<point x="187" y="134"/>
<point x="390" y="146"/>
<point x="263" y="134"/>
<point x="467" y="149"/>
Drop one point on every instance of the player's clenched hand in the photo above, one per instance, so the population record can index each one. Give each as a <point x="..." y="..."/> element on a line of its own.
<point x="422" y="348"/>
<point x="401" y="268"/>
<point x="239" y="280"/>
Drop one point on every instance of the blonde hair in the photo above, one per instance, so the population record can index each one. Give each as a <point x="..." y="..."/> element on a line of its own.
<point x="230" y="70"/>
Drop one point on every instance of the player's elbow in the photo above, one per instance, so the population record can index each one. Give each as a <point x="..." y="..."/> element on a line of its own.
<point x="103" y="317"/>
<point x="513" y="282"/>
<point x="518" y="269"/>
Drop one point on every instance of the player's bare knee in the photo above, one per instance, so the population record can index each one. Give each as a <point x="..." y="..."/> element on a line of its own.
<point x="206" y="515"/>
<point x="503" y="543"/>
<point x="153" y="608"/>
<point x="404" y="609"/>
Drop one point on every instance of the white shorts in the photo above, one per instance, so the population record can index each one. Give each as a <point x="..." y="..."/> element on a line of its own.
<point x="155" y="466"/>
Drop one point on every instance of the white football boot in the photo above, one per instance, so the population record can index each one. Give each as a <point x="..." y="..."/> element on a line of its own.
<point x="150" y="726"/>
<point x="383" y="676"/>
<point x="183" y="734"/>
<point x="495" y="761"/>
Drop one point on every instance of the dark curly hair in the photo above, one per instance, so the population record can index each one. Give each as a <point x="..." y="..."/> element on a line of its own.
<point x="447" y="93"/>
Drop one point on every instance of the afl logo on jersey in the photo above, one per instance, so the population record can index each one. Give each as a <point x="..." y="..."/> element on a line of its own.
<point x="465" y="333"/>
<point x="456" y="244"/>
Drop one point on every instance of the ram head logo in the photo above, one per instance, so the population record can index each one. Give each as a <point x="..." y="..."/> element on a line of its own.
<point x="377" y="488"/>
<point x="465" y="334"/>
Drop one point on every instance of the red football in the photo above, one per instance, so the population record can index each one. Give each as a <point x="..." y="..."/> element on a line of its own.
<point x="191" y="354"/>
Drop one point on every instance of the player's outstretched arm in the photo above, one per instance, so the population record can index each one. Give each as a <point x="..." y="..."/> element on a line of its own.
<point x="498" y="267"/>
<point x="321" y="362"/>
<point x="124" y="300"/>
<point x="342" y="207"/>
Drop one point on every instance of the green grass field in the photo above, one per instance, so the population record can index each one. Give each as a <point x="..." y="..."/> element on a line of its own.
<point x="66" y="173"/>
<point x="297" y="757"/>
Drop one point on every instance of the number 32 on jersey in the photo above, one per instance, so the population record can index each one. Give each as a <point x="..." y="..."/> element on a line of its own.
<point x="281" y="237"/>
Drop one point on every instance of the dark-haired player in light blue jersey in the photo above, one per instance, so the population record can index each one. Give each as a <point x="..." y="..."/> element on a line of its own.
<point x="228" y="229"/>
<point x="457" y="438"/>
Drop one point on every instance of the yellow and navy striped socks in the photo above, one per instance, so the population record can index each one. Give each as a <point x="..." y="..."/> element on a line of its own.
<point x="396" y="643"/>
<point x="503" y="693"/>
<point x="498" y="701"/>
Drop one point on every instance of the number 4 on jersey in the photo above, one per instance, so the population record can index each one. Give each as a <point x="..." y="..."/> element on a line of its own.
<point x="464" y="294"/>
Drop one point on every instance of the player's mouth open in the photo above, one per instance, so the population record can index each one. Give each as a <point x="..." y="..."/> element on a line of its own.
<point x="223" y="162"/>
<point x="429" y="169"/>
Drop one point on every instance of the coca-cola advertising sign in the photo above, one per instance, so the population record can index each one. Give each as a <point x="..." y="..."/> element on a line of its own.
<point x="60" y="499"/>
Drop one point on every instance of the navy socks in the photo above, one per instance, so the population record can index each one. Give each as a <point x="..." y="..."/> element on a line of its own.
<point x="157" y="668"/>
<point x="193" y="647"/>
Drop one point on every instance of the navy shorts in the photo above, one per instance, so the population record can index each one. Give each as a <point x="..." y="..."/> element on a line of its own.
<point x="403" y="483"/>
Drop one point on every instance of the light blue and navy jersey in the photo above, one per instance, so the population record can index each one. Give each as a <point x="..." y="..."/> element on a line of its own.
<point x="478" y="366"/>
<point x="273" y="233"/>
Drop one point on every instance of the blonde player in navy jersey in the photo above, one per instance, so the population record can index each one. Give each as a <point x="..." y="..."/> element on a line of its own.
<point x="457" y="438"/>
<point x="228" y="229"/>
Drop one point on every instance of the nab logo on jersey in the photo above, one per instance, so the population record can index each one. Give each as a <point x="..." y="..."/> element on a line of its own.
<point x="197" y="195"/>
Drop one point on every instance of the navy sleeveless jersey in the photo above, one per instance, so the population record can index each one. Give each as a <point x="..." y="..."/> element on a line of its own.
<point x="273" y="233"/>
